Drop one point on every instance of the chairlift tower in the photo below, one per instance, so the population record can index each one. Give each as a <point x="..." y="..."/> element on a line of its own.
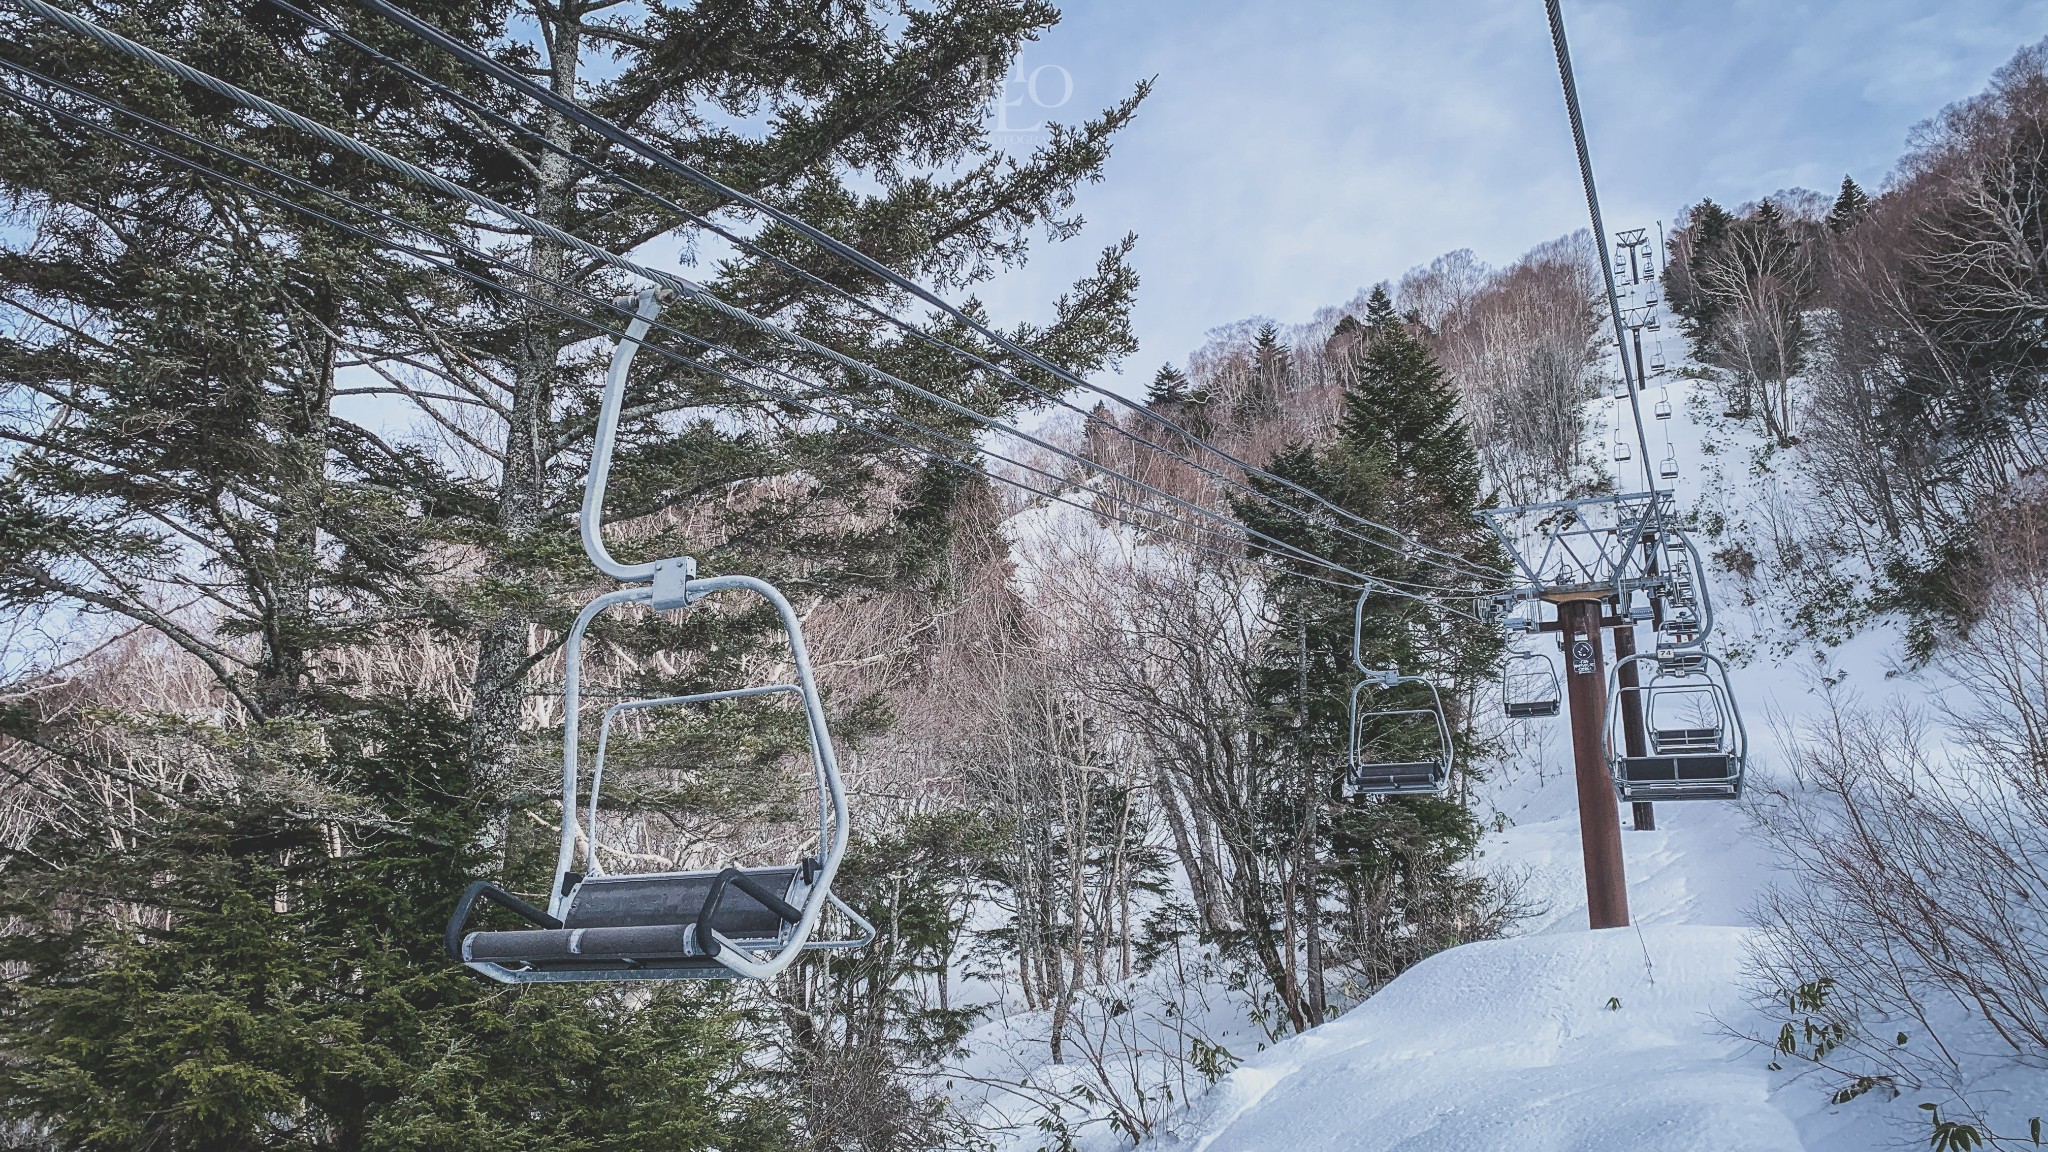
<point x="1633" y="261"/>
<point x="1580" y="595"/>
<point x="1596" y="560"/>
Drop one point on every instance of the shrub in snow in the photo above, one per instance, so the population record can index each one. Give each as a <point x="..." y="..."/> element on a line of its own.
<point x="1912" y="956"/>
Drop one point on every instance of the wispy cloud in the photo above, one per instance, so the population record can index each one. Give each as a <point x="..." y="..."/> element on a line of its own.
<point x="1295" y="151"/>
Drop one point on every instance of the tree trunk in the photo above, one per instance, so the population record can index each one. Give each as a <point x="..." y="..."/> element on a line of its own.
<point x="499" y="689"/>
<point x="289" y="622"/>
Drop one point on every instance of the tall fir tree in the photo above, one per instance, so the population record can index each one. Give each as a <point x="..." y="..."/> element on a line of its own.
<point x="1271" y="376"/>
<point x="1402" y="456"/>
<point x="1851" y="205"/>
<point x="1169" y="387"/>
<point x="243" y="952"/>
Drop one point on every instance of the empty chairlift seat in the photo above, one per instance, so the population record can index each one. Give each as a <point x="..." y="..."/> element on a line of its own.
<point x="662" y="926"/>
<point x="1530" y="687"/>
<point x="1397" y="751"/>
<point x="683" y="925"/>
<point x="1696" y="745"/>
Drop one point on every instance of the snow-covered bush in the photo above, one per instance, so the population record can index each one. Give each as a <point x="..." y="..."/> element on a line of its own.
<point x="1911" y="953"/>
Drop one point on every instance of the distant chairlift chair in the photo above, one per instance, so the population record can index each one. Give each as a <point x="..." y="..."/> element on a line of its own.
<point x="1697" y="745"/>
<point x="713" y="924"/>
<point x="1529" y="686"/>
<point x="1394" y="751"/>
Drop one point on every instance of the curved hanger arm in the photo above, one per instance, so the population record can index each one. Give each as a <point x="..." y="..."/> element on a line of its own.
<point x="731" y="954"/>
<point x="592" y="519"/>
<point x="1529" y="659"/>
<point x="1358" y="632"/>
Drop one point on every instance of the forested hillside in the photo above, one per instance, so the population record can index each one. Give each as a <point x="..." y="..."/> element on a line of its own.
<point x="294" y="450"/>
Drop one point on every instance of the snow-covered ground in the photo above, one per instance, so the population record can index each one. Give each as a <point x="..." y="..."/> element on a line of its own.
<point x="1560" y="1038"/>
<point x="1555" y="1043"/>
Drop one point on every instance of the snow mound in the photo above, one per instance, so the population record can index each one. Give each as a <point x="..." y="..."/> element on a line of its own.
<point x="1594" y="1040"/>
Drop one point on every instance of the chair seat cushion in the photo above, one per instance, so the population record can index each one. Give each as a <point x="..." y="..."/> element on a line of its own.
<point x="1403" y="775"/>
<point x="675" y="899"/>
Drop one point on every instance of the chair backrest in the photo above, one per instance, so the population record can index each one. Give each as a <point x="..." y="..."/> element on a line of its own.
<point x="1694" y="706"/>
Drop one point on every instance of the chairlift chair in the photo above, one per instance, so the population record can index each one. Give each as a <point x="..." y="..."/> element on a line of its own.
<point x="1696" y="743"/>
<point x="1394" y="751"/>
<point x="1398" y="751"/>
<point x="1621" y="450"/>
<point x="1662" y="408"/>
<point x="1689" y="611"/>
<point x="1530" y="688"/>
<point x="679" y="925"/>
<point x="1667" y="468"/>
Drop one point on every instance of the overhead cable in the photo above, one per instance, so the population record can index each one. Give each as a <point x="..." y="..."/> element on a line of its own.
<point x="1278" y="550"/>
<point x="748" y="245"/>
<point x="359" y="148"/>
<point x="605" y="129"/>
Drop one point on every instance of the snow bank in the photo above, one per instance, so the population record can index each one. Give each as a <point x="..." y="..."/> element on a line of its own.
<point x="1590" y="1041"/>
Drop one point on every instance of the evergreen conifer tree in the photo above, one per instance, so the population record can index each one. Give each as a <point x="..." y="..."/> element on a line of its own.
<point x="1403" y="456"/>
<point x="1169" y="387"/>
<point x="1851" y="205"/>
<point x="1272" y="365"/>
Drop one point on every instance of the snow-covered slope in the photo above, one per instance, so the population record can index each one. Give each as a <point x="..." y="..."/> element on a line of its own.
<point x="1565" y="1042"/>
<point x="1577" y="1041"/>
<point x="1559" y="1039"/>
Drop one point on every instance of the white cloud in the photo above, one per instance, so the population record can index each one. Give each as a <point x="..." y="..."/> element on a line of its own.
<point x="1293" y="152"/>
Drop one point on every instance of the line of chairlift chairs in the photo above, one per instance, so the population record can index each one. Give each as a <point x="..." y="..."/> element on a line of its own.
<point x="1667" y="468"/>
<point x="707" y="924"/>
<point x="1692" y="746"/>
<point x="755" y="921"/>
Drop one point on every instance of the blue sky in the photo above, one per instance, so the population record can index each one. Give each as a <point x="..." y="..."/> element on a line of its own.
<point x="1293" y="152"/>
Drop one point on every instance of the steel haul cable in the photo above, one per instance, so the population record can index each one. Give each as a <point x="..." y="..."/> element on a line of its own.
<point x="688" y="288"/>
<point x="614" y="134"/>
<point x="448" y="266"/>
<point x="968" y="356"/>
<point x="1571" y="106"/>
